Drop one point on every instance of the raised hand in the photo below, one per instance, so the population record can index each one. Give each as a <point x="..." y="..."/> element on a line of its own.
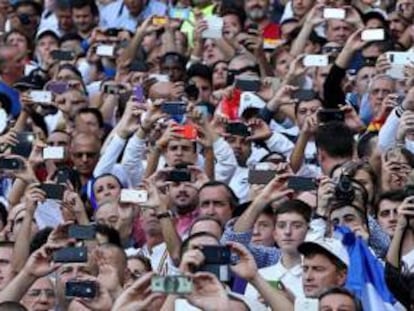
<point x="406" y="125"/>
<point x="284" y="96"/>
<point x="326" y="193"/>
<point x="260" y="130"/>
<point x="40" y="262"/>
<point x="246" y="267"/>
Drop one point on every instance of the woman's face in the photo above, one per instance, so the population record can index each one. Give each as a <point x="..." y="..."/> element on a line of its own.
<point x="211" y="52"/>
<point x="220" y="76"/>
<point x="282" y="64"/>
<point x="66" y="75"/>
<point x="19" y="41"/>
<point x="106" y="187"/>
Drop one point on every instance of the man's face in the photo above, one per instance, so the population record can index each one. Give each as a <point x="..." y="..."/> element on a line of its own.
<point x="87" y="122"/>
<point x="397" y="25"/>
<point x="320" y="273"/>
<point x="85" y="154"/>
<point x="406" y="8"/>
<point x="215" y="202"/>
<point x="41" y="296"/>
<point x="336" y="302"/>
<point x="301" y="7"/>
<point x="231" y="25"/>
<point x="149" y="222"/>
<point x="180" y="151"/>
<point x="305" y="110"/>
<point x="83" y="19"/>
<point x="29" y="12"/>
<point x="363" y="77"/>
<point x="387" y="216"/>
<point x="347" y="216"/>
<point x="6" y="272"/>
<point x="290" y="231"/>
<point x="70" y="102"/>
<point x="282" y="63"/>
<point x="45" y="45"/>
<point x="173" y="69"/>
<point x="338" y="31"/>
<point x="263" y="230"/>
<point x="134" y="7"/>
<point x="256" y="9"/>
<point x="380" y="89"/>
<point x="14" y="62"/>
<point x="107" y="214"/>
<point x="241" y="148"/>
<point x="204" y="88"/>
<point x="18" y="41"/>
<point x="183" y="196"/>
<point x="64" y="18"/>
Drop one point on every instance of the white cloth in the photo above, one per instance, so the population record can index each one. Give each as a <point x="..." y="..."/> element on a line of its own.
<point x="48" y="214"/>
<point x="291" y="279"/>
<point x="408" y="260"/>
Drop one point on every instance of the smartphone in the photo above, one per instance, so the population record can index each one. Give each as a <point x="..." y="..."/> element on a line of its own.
<point x="133" y="196"/>
<point x="159" y="77"/>
<point x="377" y="34"/>
<point x="203" y="110"/>
<point x="41" y="97"/>
<point x="222" y="272"/>
<point x="111" y="89"/>
<point x="159" y="20"/>
<point x="105" y="50"/>
<point x="216" y="254"/>
<point x="306" y="304"/>
<point x="62" y="175"/>
<point x="24" y="145"/>
<point x="316" y="60"/>
<point x="57" y="87"/>
<point x="299" y="183"/>
<point x="81" y="289"/>
<point x="237" y="128"/>
<point x="172" y="284"/>
<point x="71" y="254"/>
<point x="174" y="108"/>
<point x="334" y="13"/>
<point x="53" y="191"/>
<point x="179" y="13"/>
<point x="304" y="95"/>
<point x="112" y="32"/>
<point x="11" y="164"/>
<point x="401" y="58"/>
<point x="260" y="177"/>
<point x="82" y="232"/>
<point x="61" y="55"/>
<point x="54" y="153"/>
<point x="188" y="131"/>
<point x="328" y="115"/>
<point x="215" y="27"/>
<point x="139" y="93"/>
<point x="248" y="85"/>
<point x="179" y="175"/>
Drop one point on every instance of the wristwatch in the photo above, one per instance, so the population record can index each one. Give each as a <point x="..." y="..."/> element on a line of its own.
<point x="167" y="214"/>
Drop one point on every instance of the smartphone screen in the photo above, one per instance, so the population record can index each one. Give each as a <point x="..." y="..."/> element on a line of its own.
<point x="299" y="183"/>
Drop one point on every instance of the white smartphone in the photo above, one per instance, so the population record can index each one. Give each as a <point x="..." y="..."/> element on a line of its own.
<point x="53" y="153"/>
<point x="41" y="97"/>
<point x="334" y="13"/>
<point x="28" y="69"/>
<point x="316" y="60"/>
<point x="133" y="196"/>
<point x="377" y="34"/>
<point x="105" y="50"/>
<point x="215" y="27"/>
<point x="400" y="58"/>
<point x="159" y="77"/>
<point x="306" y="304"/>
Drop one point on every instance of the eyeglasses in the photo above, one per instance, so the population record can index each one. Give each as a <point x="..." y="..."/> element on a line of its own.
<point x="89" y="155"/>
<point x="50" y="293"/>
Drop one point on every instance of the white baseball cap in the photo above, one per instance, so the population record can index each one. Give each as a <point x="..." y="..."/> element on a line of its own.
<point x="330" y="245"/>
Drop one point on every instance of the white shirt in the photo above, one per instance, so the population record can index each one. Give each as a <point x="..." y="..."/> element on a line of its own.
<point x="291" y="279"/>
<point x="408" y="260"/>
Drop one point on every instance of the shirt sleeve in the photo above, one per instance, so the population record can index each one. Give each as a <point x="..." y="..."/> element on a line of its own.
<point x="110" y="156"/>
<point x="388" y="132"/>
<point x="226" y="162"/>
<point x="132" y="161"/>
<point x="280" y="143"/>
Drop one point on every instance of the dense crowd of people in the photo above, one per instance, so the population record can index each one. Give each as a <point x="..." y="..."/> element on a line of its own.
<point x="207" y="155"/>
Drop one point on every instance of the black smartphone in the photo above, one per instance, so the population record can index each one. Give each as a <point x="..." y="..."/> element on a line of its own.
<point x="11" y="164"/>
<point x="191" y="91"/>
<point x="304" y="95"/>
<point x="53" y="191"/>
<point x="82" y="232"/>
<point x="216" y="254"/>
<point x="237" y="128"/>
<point x="82" y="289"/>
<point x="71" y="254"/>
<point x="248" y="85"/>
<point x="299" y="183"/>
<point x="222" y="272"/>
<point x="174" y="108"/>
<point x="179" y="175"/>
<point x="62" y="175"/>
<point x="62" y="55"/>
<point x="24" y="145"/>
<point x="260" y="177"/>
<point x="111" y="89"/>
<point x="328" y="115"/>
<point x="112" y="32"/>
